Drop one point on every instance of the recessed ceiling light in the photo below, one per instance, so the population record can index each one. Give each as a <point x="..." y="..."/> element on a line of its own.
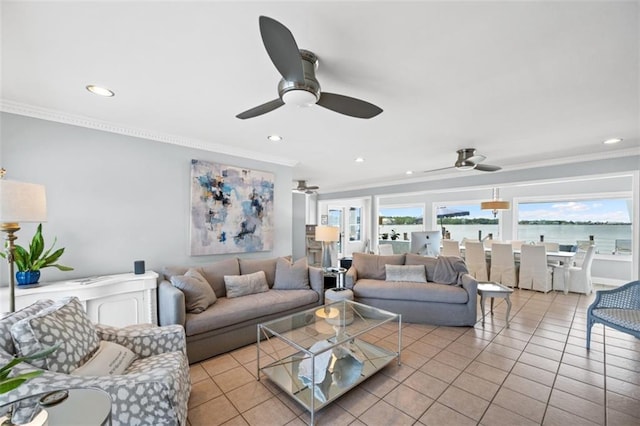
<point x="409" y="172"/>
<point x="100" y="91"/>
<point x="274" y="138"/>
<point x="359" y="160"/>
<point x="612" y="141"/>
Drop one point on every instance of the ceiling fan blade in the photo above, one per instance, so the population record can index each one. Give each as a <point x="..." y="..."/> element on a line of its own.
<point x="437" y="170"/>
<point x="477" y="158"/>
<point x="261" y="109"/>
<point x="282" y="49"/>
<point x="487" y="168"/>
<point x="348" y="106"/>
<point x="313" y="187"/>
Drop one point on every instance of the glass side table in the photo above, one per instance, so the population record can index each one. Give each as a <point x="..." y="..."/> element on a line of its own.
<point x="81" y="407"/>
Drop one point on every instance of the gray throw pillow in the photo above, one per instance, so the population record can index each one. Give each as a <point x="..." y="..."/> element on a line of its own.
<point x="268" y="266"/>
<point x="242" y="285"/>
<point x="449" y="270"/>
<point x="198" y="294"/>
<point x="407" y="273"/>
<point x="291" y="276"/>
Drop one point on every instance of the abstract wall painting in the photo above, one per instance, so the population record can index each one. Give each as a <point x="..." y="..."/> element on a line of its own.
<point x="231" y="209"/>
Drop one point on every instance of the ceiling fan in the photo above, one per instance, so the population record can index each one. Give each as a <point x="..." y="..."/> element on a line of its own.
<point x="469" y="160"/>
<point x="304" y="188"/>
<point x="299" y="85"/>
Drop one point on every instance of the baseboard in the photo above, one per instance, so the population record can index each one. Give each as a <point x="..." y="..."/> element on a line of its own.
<point x="610" y="282"/>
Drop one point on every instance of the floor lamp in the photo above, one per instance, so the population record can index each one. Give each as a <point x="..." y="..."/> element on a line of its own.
<point x="19" y="202"/>
<point x="327" y="235"/>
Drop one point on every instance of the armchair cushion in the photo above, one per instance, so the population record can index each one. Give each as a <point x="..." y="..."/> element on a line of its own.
<point x="66" y="323"/>
<point x="146" y="340"/>
<point x="6" y="342"/>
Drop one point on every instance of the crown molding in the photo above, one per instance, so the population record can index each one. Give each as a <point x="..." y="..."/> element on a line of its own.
<point x="105" y="126"/>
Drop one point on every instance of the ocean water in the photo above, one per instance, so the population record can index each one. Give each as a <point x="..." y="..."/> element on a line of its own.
<point x="605" y="236"/>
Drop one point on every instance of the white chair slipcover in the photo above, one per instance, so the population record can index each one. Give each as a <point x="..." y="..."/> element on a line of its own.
<point x="535" y="274"/>
<point x="516" y="244"/>
<point x="503" y="266"/>
<point x="476" y="260"/>
<point x="450" y="248"/>
<point x="579" y="276"/>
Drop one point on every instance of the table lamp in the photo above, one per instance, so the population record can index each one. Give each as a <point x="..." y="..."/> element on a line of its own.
<point x="19" y="202"/>
<point x="327" y="235"/>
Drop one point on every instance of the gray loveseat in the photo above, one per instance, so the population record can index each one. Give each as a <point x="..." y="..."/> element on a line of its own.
<point x="451" y="302"/>
<point x="230" y="322"/>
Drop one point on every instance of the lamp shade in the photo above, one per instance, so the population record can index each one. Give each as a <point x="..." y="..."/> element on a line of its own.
<point x="327" y="233"/>
<point x="22" y="202"/>
<point x="495" y="205"/>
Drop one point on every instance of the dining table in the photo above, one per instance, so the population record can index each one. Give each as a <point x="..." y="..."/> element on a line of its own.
<point x="564" y="258"/>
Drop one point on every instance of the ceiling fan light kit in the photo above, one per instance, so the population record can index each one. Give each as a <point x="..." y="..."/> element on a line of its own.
<point x="298" y="85"/>
<point x="469" y="160"/>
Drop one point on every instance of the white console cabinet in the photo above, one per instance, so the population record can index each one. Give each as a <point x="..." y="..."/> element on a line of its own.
<point x="116" y="300"/>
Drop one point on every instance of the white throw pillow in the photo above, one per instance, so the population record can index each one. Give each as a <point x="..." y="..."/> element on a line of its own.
<point x="406" y="273"/>
<point x="110" y="358"/>
<point x="242" y="285"/>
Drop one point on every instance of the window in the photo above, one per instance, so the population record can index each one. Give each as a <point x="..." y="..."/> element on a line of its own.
<point x="397" y="223"/>
<point x="568" y="222"/>
<point x="354" y="224"/>
<point x="476" y="224"/>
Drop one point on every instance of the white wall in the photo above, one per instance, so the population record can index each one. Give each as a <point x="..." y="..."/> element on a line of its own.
<point x="113" y="199"/>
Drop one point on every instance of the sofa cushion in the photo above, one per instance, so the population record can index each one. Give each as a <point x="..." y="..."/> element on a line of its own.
<point x="214" y="273"/>
<point x="409" y="273"/>
<point x="65" y="323"/>
<point x="428" y="261"/>
<point x="229" y="312"/>
<point x="373" y="265"/>
<point x="242" y="285"/>
<point x="418" y="292"/>
<point x="198" y="294"/>
<point x="249" y="266"/>
<point x="6" y="343"/>
<point x="291" y="276"/>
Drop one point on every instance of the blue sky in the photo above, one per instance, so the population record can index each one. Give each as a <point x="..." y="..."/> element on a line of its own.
<point x="615" y="210"/>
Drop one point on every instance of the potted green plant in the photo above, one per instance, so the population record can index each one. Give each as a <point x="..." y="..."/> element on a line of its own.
<point x="394" y="234"/>
<point x="9" y="383"/>
<point x="29" y="262"/>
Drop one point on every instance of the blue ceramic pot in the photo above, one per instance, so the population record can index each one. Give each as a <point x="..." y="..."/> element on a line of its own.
<point x="27" y="277"/>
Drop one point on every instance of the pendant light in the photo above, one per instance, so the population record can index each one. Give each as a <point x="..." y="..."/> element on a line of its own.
<point x="495" y="204"/>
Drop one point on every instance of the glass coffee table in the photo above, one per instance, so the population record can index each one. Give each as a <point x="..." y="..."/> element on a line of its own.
<point x="319" y="354"/>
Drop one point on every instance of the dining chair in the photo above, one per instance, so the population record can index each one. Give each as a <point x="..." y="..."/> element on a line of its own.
<point x="450" y="248"/>
<point x="489" y="242"/>
<point x="535" y="274"/>
<point x="579" y="276"/>
<point x="503" y="266"/>
<point x="550" y="246"/>
<point x="476" y="260"/>
<point x="385" y="249"/>
<point x="516" y="244"/>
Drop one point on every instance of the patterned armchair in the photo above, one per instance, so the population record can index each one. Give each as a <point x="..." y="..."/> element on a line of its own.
<point x="153" y="390"/>
<point x="618" y="308"/>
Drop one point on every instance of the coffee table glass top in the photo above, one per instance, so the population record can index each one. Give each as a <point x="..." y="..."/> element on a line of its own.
<point x="319" y="354"/>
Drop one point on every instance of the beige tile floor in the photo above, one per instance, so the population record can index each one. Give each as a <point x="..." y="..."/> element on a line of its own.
<point x="535" y="372"/>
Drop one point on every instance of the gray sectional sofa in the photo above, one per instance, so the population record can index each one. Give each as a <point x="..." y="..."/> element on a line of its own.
<point x="230" y="322"/>
<point x="441" y="294"/>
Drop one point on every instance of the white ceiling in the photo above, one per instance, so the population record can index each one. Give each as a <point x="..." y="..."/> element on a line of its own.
<point x="521" y="82"/>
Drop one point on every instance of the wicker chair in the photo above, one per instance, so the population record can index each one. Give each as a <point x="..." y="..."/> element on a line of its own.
<point x="618" y="308"/>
